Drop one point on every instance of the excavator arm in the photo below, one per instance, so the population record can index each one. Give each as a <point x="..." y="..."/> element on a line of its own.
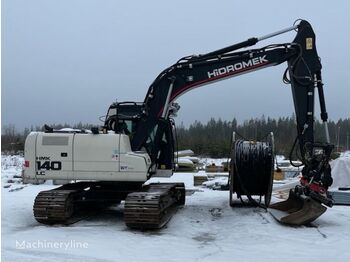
<point x="190" y="73"/>
<point x="304" y="69"/>
<point x="153" y="126"/>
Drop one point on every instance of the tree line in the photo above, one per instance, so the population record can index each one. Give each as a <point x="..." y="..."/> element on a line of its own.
<point x="12" y="141"/>
<point x="213" y="138"/>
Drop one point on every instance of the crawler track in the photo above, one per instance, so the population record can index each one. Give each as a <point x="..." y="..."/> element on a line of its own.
<point x="73" y="202"/>
<point x="54" y="206"/>
<point x="153" y="207"/>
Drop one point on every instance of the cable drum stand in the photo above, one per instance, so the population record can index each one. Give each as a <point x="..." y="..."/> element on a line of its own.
<point x="251" y="170"/>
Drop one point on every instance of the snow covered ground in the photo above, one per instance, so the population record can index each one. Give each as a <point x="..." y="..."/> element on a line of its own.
<point x="205" y="229"/>
<point x="345" y="154"/>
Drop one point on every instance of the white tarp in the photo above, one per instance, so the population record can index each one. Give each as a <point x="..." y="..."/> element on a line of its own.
<point x="341" y="171"/>
<point x="182" y="153"/>
<point x="183" y="161"/>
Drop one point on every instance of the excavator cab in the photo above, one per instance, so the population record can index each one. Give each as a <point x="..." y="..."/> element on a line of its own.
<point x="123" y="117"/>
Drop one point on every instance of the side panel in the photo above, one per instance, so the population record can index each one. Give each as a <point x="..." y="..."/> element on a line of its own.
<point x="69" y="156"/>
<point x="107" y="157"/>
<point x="54" y="155"/>
<point x="96" y="153"/>
<point x="132" y="164"/>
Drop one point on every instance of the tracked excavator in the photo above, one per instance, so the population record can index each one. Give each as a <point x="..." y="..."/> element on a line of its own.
<point x="109" y="164"/>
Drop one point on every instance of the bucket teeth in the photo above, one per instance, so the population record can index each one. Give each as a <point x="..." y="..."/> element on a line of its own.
<point x="296" y="210"/>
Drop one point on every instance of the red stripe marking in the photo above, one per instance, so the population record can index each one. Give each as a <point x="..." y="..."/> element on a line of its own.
<point x="209" y="80"/>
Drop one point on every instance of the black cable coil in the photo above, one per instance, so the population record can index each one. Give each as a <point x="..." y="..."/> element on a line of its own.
<point x="252" y="170"/>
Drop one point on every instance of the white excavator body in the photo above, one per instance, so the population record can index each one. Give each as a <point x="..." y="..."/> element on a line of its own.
<point x="83" y="156"/>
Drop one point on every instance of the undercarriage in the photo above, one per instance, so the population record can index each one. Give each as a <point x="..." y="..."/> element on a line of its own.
<point x="146" y="207"/>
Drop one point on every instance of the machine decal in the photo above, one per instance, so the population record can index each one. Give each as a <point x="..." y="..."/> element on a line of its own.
<point x="308" y="43"/>
<point x="115" y="154"/>
<point x="238" y="66"/>
<point x="49" y="165"/>
<point x="124" y="168"/>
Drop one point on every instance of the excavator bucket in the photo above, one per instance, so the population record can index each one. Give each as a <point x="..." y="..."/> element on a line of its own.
<point x="296" y="210"/>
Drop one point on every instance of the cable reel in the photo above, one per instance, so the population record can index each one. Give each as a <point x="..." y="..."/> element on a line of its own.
<point x="251" y="170"/>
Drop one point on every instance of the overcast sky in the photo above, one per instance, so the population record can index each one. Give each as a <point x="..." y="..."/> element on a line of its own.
<point x="65" y="61"/>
